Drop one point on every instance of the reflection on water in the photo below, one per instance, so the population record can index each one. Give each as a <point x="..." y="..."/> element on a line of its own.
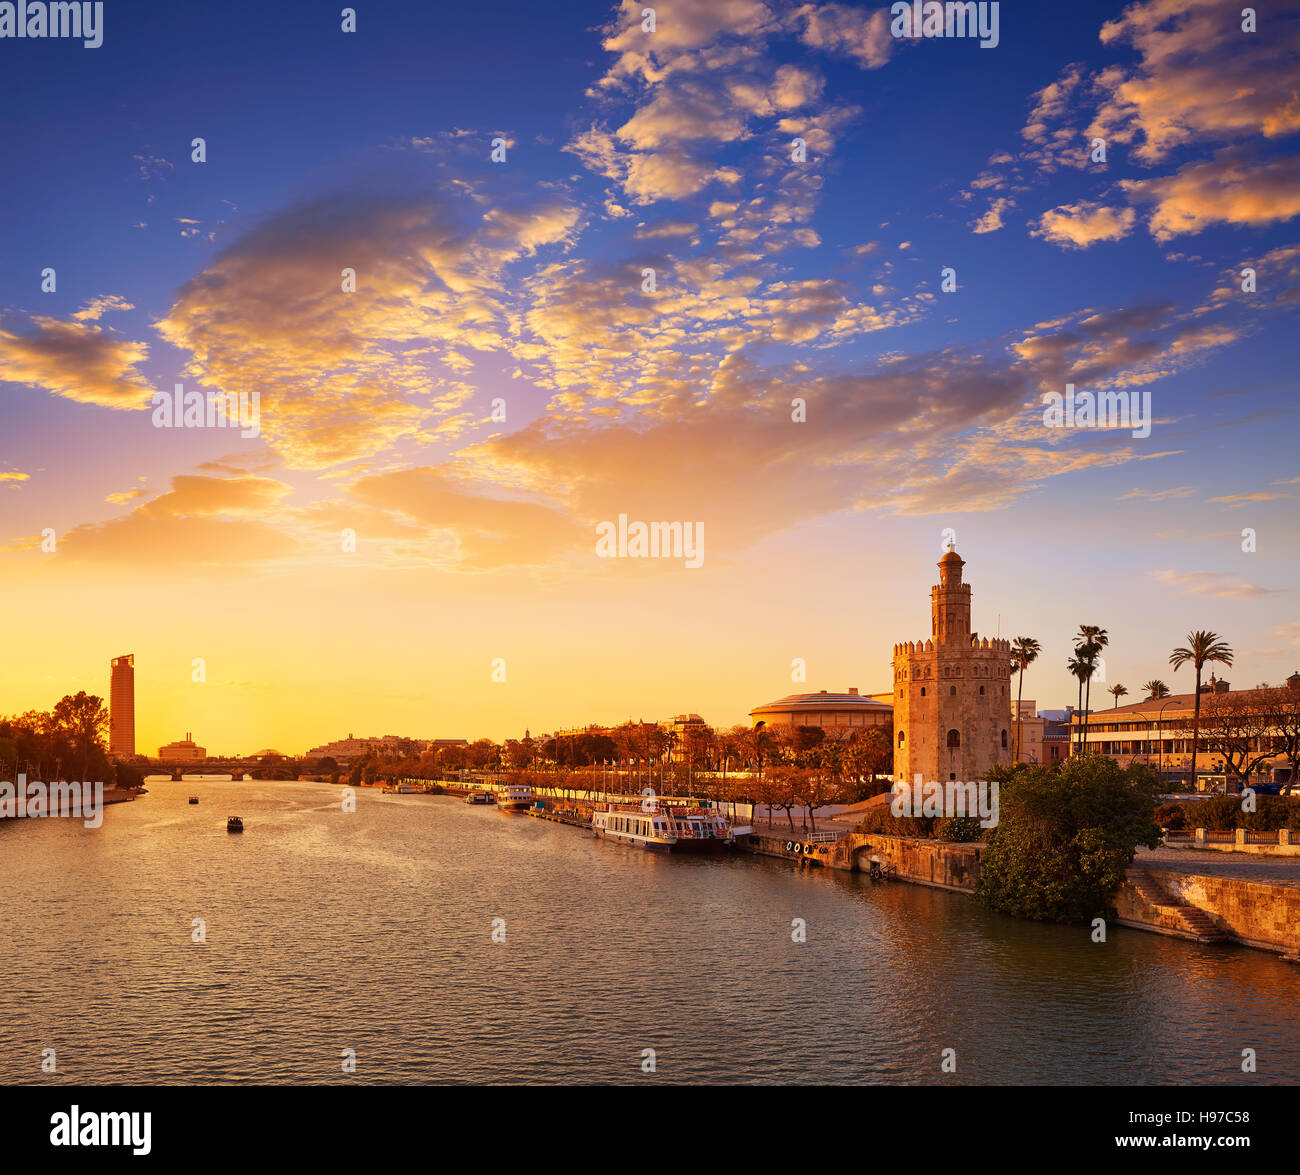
<point x="373" y="931"/>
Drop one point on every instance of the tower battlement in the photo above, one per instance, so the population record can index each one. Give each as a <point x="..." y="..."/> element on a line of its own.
<point x="990" y="646"/>
<point x="952" y="709"/>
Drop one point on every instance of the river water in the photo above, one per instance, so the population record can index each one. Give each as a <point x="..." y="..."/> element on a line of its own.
<point x="373" y="931"/>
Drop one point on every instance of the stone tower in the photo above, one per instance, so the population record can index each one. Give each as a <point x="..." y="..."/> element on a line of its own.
<point x="952" y="708"/>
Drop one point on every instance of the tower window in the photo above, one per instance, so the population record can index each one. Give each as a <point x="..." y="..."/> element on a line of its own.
<point x="954" y="738"/>
<point x="923" y="691"/>
<point x="902" y="738"/>
<point x="1004" y="740"/>
<point x="952" y="689"/>
<point x="981" y="689"/>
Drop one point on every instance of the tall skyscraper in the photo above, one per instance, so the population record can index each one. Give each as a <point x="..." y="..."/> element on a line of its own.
<point x="121" y="711"/>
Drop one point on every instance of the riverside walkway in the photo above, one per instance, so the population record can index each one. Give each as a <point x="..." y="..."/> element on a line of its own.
<point x="1211" y="863"/>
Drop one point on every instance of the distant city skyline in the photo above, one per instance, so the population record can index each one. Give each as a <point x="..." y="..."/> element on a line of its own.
<point x="763" y="281"/>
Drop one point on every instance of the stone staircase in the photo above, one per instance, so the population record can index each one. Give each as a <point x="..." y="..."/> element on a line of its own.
<point x="1195" y="923"/>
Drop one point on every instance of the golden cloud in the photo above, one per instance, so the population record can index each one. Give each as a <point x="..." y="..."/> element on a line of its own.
<point x="1231" y="189"/>
<point x="76" y="360"/>
<point x="1083" y="224"/>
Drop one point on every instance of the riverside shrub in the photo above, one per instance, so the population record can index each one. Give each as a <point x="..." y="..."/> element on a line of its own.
<point x="959" y="829"/>
<point x="884" y="823"/>
<point x="1065" y="837"/>
<point x="1225" y="813"/>
<point x="1171" y="817"/>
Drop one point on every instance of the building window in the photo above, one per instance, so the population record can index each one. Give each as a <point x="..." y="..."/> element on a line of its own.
<point x="1004" y="740"/>
<point x="952" y="689"/>
<point x="954" y="739"/>
<point x="981" y="690"/>
<point x="902" y="738"/>
<point x="923" y="691"/>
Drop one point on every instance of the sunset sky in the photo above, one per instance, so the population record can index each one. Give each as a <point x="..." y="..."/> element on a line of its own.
<point x="522" y="281"/>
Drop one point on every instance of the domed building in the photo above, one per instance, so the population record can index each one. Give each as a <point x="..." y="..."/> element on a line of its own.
<point x="838" y="714"/>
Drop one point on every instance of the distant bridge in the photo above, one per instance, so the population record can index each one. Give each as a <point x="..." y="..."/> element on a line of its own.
<point x="201" y="767"/>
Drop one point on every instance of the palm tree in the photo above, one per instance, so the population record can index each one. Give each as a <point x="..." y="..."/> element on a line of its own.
<point x="1202" y="647"/>
<point x="1024" y="652"/>
<point x="1081" y="666"/>
<point x="1117" y="692"/>
<point x="1094" y="638"/>
<point x="1156" y="689"/>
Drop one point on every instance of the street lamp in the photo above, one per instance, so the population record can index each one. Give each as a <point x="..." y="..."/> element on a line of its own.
<point x="1160" y="738"/>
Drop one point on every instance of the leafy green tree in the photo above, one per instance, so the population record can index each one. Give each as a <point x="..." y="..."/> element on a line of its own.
<point x="128" y="775"/>
<point x="83" y="718"/>
<point x="959" y="829"/>
<point x="1065" y="837"/>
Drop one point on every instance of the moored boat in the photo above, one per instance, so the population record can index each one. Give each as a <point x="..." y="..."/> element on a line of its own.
<point x="234" y="824"/>
<point x="479" y="797"/>
<point x="514" y="797"/>
<point x="194" y="799"/>
<point x="670" y="828"/>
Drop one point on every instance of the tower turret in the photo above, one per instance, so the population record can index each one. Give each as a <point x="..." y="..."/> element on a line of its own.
<point x="950" y="602"/>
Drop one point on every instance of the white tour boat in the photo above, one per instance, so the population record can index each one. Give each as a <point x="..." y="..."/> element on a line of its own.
<point x="671" y="828"/>
<point x="514" y="797"/>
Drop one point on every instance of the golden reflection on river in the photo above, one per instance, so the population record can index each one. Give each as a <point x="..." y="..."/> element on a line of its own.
<point x="372" y="931"/>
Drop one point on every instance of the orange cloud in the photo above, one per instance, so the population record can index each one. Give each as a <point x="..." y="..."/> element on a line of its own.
<point x="1212" y="583"/>
<point x="1200" y="76"/>
<point x="199" y="522"/>
<point x="76" y="360"/>
<point x="1083" y="224"/>
<point x="490" y="531"/>
<point x="345" y="375"/>
<point x="1229" y="189"/>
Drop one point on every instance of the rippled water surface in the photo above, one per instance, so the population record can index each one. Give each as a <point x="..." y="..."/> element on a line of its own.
<point x="373" y="931"/>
